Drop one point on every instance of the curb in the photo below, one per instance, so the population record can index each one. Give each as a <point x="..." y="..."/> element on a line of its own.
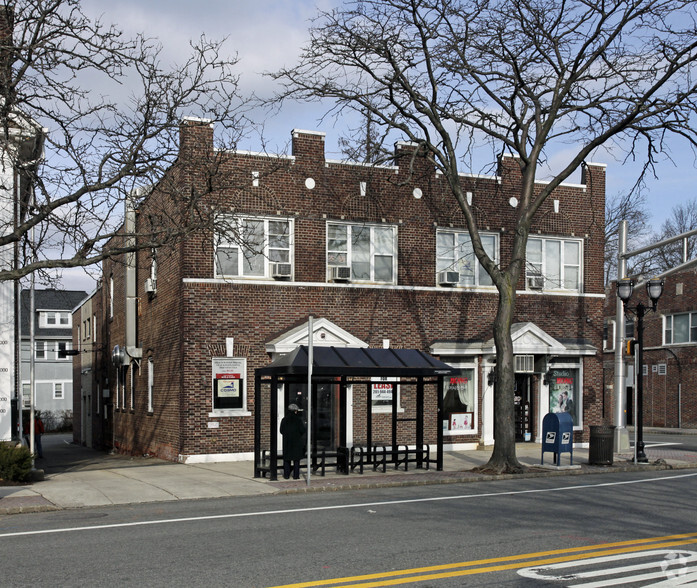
<point x="464" y="478"/>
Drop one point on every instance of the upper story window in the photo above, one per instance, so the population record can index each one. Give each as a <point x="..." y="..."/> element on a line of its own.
<point x="454" y="253"/>
<point x="255" y="248"/>
<point x="680" y="328"/>
<point x="369" y="252"/>
<point x="553" y="264"/>
<point x="610" y="332"/>
<point x="50" y="319"/>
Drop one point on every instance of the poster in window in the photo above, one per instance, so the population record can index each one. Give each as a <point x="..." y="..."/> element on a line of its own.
<point x="382" y="392"/>
<point x="461" y="421"/>
<point x="563" y="392"/>
<point x="228" y="382"/>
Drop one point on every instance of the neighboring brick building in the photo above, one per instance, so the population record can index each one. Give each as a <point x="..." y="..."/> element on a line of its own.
<point x="670" y="353"/>
<point x="379" y="257"/>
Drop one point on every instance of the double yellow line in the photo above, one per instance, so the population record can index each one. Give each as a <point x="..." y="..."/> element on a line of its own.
<point x="510" y="562"/>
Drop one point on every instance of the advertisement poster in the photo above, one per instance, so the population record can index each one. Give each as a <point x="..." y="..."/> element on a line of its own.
<point x="461" y="421"/>
<point x="229" y="375"/>
<point x="382" y="390"/>
<point x="563" y="392"/>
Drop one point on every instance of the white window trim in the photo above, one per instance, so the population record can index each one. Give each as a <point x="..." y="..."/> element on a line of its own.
<point x="671" y="318"/>
<point x="562" y="241"/>
<point x="231" y="412"/>
<point x="68" y="346"/>
<point x="151" y="382"/>
<point x="57" y="315"/>
<point x="62" y="395"/>
<point x="222" y="243"/>
<point x="475" y="429"/>
<point x="478" y="269"/>
<point x="371" y="226"/>
<point x="579" y="366"/>
<point x="44" y="350"/>
<point x="609" y="343"/>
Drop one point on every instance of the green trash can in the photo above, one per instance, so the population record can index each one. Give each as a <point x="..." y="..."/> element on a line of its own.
<point x="602" y="440"/>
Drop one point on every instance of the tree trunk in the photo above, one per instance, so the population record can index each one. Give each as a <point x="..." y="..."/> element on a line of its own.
<point x="503" y="459"/>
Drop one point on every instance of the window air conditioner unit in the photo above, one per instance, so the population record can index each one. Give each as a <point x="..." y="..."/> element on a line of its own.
<point x="524" y="364"/>
<point x="448" y="278"/>
<point x="150" y="286"/>
<point x="536" y="282"/>
<point x="281" y="271"/>
<point x="340" y="273"/>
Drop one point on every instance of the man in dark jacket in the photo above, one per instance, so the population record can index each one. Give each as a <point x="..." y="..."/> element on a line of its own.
<point x="292" y="429"/>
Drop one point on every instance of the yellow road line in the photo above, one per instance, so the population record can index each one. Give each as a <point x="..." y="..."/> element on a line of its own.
<point x="450" y="571"/>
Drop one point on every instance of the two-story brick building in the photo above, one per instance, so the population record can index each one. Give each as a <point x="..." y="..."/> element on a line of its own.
<point x="380" y="257"/>
<point x="669" y="369"/>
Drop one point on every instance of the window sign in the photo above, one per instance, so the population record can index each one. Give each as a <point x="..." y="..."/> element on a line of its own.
<point x="458" y="403"/>
<point x="382" y="390"/>
<point x="563" y="393"/>
<point x="229" y="375"/>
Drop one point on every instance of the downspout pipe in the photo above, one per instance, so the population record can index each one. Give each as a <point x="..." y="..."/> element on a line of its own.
<point x="133" y="351"/>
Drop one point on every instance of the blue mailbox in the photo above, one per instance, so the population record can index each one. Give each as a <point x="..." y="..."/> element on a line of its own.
<point x="558" y="436"/>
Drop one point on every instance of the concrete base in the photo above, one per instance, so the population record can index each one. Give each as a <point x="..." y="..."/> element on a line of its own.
<point x="621" y="440"/>
<point x="555" y="467"/>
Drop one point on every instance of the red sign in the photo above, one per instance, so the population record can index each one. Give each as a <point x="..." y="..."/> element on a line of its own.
<point x="228" y="376"/>
<point x="459" y="380"/>
<point x="565" y="381"/>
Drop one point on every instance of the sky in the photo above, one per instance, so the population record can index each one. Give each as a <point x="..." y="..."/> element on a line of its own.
<point x="268" y="34"/>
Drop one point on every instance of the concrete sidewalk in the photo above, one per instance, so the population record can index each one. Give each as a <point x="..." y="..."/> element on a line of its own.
<point x="79" y="477"/>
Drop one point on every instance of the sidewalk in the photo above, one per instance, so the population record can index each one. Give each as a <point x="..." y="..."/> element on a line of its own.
<point x="79" y="477"/>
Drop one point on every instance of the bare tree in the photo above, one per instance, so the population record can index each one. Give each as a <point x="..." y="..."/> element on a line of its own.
<point x="522" y="76"/>
<point x="630" y="206"/>
<point x="683" y="218"/>
<point x="363" y="144"/>
<point x="88" y="116"/>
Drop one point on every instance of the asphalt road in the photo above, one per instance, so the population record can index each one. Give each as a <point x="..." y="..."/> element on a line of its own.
<point x="506" y="533"/>
<point x="679" y="442"/>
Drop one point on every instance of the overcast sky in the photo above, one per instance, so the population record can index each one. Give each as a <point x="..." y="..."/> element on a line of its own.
<point x="267" y="34"/>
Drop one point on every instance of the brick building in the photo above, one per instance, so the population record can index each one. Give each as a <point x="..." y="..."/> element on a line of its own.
<point x="380" y="257"/>
<point x="670" y="354"/>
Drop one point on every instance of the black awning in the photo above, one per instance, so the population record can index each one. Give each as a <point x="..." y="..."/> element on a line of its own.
<point x="353" y="361"/>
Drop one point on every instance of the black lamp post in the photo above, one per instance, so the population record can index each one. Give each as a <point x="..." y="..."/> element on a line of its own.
<point x="654" y="289"/>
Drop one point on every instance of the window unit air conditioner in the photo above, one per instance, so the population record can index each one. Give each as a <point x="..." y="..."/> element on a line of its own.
<point x="448" y="278"/>
<point x="536" y="282"/>
<point x="281" y="271"/>
<point x="150" y="286"/>
<point x="340" y="273"/>
<point x="524" y="364"/>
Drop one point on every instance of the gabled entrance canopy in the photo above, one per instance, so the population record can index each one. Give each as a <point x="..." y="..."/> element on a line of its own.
<point x="337" y="365"/>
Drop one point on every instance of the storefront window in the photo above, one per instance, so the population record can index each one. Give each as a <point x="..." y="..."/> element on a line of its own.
<point x="564" y="392"/>
<point x="459" y="403"/>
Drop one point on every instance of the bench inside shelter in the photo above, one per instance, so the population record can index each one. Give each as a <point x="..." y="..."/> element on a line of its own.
<point x="356" y="367"/>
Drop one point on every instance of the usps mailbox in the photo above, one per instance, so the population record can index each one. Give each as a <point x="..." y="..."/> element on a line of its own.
<point x="558" y="436"/>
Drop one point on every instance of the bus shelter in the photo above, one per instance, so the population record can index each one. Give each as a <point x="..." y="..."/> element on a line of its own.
<point x="343" y="367"/>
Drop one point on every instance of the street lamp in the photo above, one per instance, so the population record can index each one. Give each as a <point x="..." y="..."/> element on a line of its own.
<point x="654" y="289"/>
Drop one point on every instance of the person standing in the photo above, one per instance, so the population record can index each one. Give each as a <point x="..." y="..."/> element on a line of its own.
<point x="292" y="429"/>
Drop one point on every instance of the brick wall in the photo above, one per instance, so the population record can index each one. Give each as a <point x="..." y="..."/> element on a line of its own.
<point x="670" y="399"/>
<point x="180" y="324"/>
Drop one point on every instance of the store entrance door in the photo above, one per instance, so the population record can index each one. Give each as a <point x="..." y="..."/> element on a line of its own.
<point x="523" y="407"/>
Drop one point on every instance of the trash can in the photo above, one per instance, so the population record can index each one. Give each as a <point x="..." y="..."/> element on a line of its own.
<point x="602" y="441"/>
<point x="343" y="460"/>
